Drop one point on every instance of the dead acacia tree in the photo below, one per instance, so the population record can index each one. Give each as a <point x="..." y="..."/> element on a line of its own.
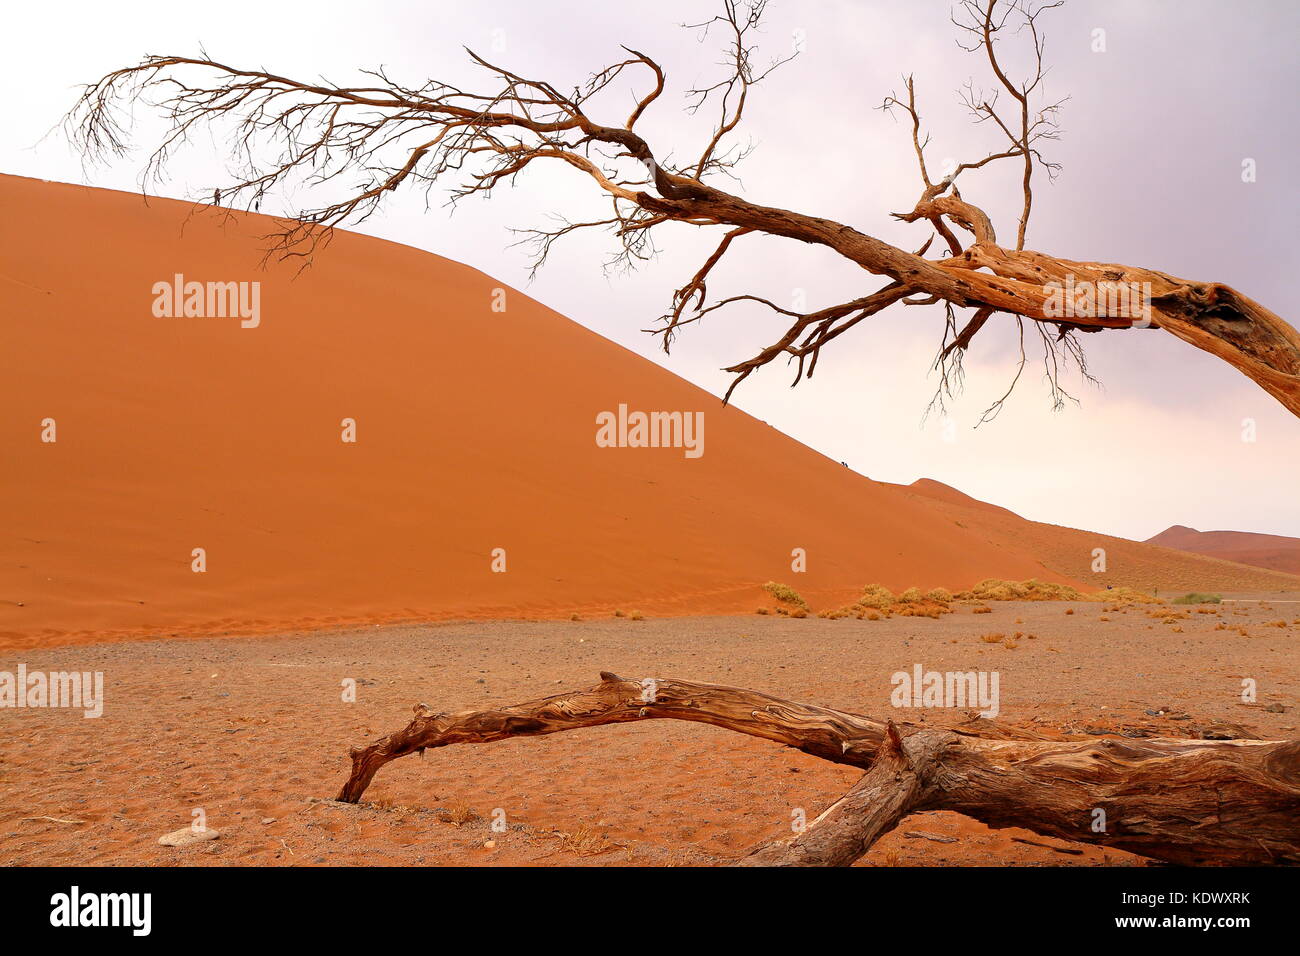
<point x="1179" y="800"/>
<point x="323" y="136"/>
<point x="1184" y="801"/>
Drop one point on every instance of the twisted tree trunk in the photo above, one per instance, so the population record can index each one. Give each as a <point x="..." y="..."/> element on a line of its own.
<point x="1181" y="801"/>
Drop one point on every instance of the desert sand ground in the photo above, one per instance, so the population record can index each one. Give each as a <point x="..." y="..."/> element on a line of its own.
<point x="254" y="732"/>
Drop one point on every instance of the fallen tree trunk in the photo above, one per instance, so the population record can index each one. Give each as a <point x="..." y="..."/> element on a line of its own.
<point x="1181" y="801"/>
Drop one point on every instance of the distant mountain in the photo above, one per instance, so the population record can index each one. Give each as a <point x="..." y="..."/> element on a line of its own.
<point x="1274" y="551"/>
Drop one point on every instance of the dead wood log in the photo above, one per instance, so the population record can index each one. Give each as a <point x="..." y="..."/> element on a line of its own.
<point x="1180" y="801"/>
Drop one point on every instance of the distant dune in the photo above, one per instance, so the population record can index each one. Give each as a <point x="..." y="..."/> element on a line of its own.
<point x="1274" y="551"/>
<point x="476" y="430"/>
<point x="1070" y="552"/>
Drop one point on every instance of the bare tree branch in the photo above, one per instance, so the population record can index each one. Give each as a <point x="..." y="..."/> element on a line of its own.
<point x="351" y="147"/>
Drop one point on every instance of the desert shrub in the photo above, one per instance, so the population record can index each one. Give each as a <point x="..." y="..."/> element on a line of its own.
<point x="785" y="594"/>
<point x="1196" y="597"/>
<point x="1127" y="595"/>
<point x="878" y="601"/>
<point x="877" y="596"/>
<point x="994" y="589"/>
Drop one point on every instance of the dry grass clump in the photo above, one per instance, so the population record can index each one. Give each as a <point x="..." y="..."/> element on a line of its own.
<point x="785" y="594"/>
<point x="981" y="609"/>
<point x="877" y="596"/>
<point x="1197" y="597"/>
<point x="1010" y="643"/>
<point x="995" y="589"/>
<point x="587" y="841"/>
<point x="458" y="814"/>
<point x="1127" y="595"/>
<point x="878" y="601"/>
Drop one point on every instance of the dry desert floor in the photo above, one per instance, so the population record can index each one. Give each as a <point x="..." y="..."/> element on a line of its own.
<point x="254" y="732"/>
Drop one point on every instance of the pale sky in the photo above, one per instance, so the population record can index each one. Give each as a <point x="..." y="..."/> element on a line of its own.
<point x="1155" y="132"/>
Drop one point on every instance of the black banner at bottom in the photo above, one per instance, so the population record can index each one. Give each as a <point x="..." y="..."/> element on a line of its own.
<point x="304" y="905"/>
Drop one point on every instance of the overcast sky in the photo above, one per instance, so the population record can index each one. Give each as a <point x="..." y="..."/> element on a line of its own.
<point x="1155" y="132"/>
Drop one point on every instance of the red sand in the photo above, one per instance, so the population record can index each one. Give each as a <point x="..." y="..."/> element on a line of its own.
<point x="1245" y="547"/>
<point x="476" y="430"/>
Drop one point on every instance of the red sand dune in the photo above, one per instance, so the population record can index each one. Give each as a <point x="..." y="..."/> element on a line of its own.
<point x="475" y="430"/>
<point x="946" y="493"/>
<point x="1245" y="547"/>
<point x="1071" y="552"/>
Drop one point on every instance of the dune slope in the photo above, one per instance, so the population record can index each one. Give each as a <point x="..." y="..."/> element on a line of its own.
<point x="475" y="430"/>
<point x="1100" y="560"/>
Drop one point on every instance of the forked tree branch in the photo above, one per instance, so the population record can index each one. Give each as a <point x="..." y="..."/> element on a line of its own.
<point x="1182" y="801"/>
<point x="319" y="135"/>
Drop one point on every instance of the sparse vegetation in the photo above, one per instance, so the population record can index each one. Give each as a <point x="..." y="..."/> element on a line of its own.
<point x="995" y="589"/>
<point x="458" y="814"/>
<point x="911" y="596"/>
<point x="786" y="595"/>
<point x="587" y="841"/>
<point x="878" y="601"/>
<point x="1196" y="597"/>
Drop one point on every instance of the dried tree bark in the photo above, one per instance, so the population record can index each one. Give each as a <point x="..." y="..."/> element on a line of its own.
<point x="387" y="135"/>
<point x="1181" y="801"/>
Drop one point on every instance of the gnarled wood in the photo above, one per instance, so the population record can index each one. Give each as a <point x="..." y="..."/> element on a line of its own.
<point x="391" y="135"/>
<point x="1182" y="801"/>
